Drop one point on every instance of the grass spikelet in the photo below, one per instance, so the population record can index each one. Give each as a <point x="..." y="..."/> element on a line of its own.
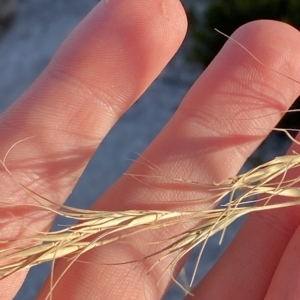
<point x="109" y="227"/>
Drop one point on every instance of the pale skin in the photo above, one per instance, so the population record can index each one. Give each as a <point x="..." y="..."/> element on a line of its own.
<point x="98" y="73"/>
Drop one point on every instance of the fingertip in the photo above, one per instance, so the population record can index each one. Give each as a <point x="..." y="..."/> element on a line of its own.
<point x="119" y="41"/>
<point x="277" y="47"/>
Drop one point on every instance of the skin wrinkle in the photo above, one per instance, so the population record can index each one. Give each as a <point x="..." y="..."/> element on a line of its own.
<point x="102" y="94"/>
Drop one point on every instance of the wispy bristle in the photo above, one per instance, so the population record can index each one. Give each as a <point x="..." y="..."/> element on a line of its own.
<point x="115" y="226"/>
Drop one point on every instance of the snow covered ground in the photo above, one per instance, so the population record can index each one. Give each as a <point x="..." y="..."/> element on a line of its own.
<point x="27" y="48"/>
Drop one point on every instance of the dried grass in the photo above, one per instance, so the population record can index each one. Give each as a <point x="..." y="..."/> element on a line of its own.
<point x="114" y="226"/>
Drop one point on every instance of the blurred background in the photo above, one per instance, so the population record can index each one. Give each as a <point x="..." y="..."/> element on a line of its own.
<point x="32" y="30"/>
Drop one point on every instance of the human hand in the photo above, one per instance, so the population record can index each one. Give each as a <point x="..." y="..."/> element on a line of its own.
<point x="101" y="69"/>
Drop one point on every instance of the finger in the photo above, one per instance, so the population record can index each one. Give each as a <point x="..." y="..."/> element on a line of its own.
<point x="101" y="69"/>
<point x="251" y="260"/>
<point x="248" y="265"/>
<point x="209" y="138"/>
<point x="285" y="282"/>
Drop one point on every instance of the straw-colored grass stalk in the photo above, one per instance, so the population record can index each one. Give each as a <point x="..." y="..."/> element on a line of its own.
<point x="97" y="228"/>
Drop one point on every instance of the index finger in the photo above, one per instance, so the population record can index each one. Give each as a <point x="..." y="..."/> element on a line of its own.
<point x="101" y="69"/>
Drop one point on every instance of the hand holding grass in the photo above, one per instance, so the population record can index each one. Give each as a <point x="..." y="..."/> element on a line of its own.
<point x="101" y="69"/>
